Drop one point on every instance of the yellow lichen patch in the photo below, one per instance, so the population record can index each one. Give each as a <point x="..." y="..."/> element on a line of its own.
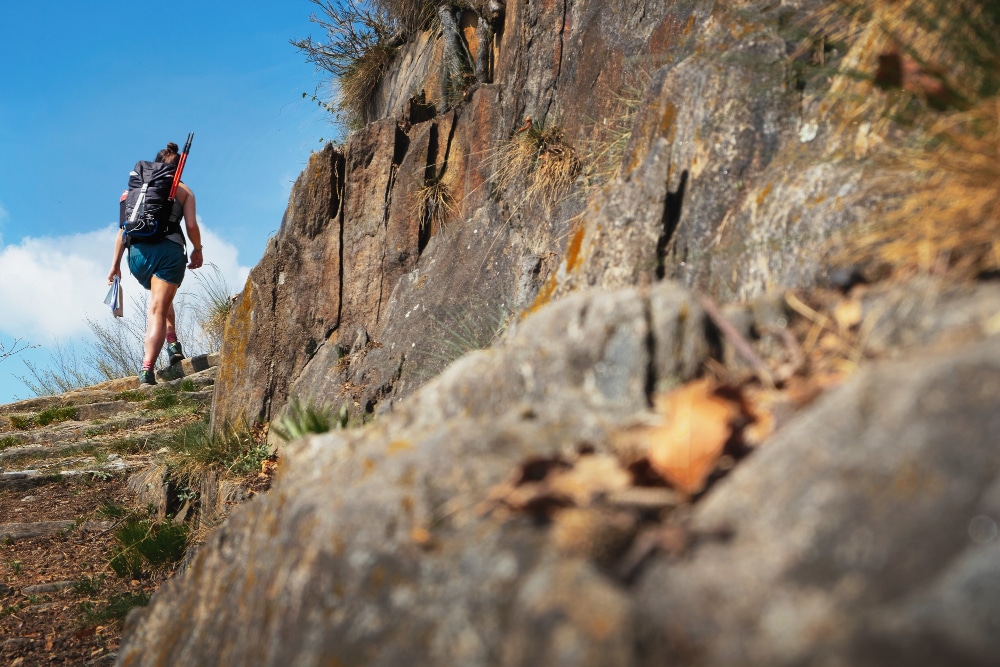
<point x="236" y="339"/>
<point x="573" y="249"/>
<point x="764" y="193"/>
<point x="544" y="294"/>
<point x="369" y="466"/>
<point x="668" y="122"/>
<point x="397" y="446"/>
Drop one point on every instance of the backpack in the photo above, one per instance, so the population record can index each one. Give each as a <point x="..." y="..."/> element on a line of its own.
<point x="145" y="208"/>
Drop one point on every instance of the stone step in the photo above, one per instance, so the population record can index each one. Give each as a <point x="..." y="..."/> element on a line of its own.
<point x="189" y="367"/>
<point x="73" y="431"/>
<point x="50" y="587"/>
<point x="13" y="454"/>
<point x="17" y="478"/>
<point x="24" y="531"/>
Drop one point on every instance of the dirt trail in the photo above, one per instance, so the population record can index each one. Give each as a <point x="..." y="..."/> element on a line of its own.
<point x="65" y="466"/>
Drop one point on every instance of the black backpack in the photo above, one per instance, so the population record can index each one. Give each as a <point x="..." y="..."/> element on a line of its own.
<point x="145" y="211"/>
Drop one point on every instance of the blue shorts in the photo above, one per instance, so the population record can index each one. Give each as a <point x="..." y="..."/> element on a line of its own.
<point x="166" y="260"/>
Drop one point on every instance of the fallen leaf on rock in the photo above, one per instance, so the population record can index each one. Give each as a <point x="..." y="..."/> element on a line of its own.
<point x="590" y="477"/>
<point x="421" y="536"/>
<point x="695" y="423"/>
<point x="848" y="314"/>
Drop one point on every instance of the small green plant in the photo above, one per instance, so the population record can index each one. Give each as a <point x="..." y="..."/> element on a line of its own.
<point x="129" y="445"/>
<point x="56" y="414"/>
<point x="142" y="541"/>
<point x="15" y="566"/>
<point x="303" y="419"/>
<point x="130" y="395"/>
<point x="109" y="509"/>
<point x="163" y="398"/>
<point x="187" y="384"/>
<point x="11" y="610"/>
<point x="235" y="450"/>
<point x="115" y="610"/>
<point x="8" y="441"/>
<point x="89" y="585"/>
<point x="22" y="422"/>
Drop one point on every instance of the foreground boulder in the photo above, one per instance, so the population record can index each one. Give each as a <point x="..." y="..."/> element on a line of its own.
<point x="864" y="531"/>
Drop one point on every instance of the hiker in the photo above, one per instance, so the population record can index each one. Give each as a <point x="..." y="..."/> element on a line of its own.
<point x="158" y="264"/>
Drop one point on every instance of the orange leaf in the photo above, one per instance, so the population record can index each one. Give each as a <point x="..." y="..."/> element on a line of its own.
<point x="696" y="425"/>
<point x="592" y="476"/>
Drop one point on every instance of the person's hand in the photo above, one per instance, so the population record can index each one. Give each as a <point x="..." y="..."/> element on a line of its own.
<point x="115" y="271"/>
<point x="196" y="259"/>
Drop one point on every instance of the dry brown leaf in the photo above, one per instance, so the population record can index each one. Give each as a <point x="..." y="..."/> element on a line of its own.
<point x="696" y="423"/>
<point x="590" y="477"/>
<point x="421" y="536"/>
<point x="847" y="314"/>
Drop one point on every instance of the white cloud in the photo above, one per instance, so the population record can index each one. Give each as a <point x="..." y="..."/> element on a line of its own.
<point x="49" y="286"/>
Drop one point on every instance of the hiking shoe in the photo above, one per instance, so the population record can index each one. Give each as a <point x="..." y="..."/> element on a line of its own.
<point x="174" y="353"/>
<point x="146" y="376"/>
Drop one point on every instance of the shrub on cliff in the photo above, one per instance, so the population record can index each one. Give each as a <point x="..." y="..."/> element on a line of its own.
<point x="360" y="44"/>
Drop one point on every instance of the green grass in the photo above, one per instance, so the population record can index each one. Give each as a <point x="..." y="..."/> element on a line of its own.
<point x="129" y="445"/>
<point x="303" y="419"/>
<point x="188" y="385"/>
<point x="130" y="395"/>
<point x="109" y="509"/>
<point x="114" y="611"/>
<point x="55" y="414"/>
<point x="43" y="418"/>
<point x="235" y="451"/>
<point x="163" y="399"/>
<point x="142" y="542"/>
<point x="22" y="422"/>
<point x="8" y="441"/>
<point x="89" y="585"/>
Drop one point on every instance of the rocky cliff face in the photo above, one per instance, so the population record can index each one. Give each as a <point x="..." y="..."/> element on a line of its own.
<point x="730" y="180"/>
<point x="677" y="150"/>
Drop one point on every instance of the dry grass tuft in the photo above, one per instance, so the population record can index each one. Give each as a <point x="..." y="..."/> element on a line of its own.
<point x="907" y="57"/>
<point x="922" y="78"/>
<point x="434" y="204"/>
<point x="359" y="81"/>
<point x="951" y="222"/>
<point x="410" y="15"/>
<point x="551" y="164"/>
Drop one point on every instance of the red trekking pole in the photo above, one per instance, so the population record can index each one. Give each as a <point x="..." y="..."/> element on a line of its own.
<point x="180" y="166"/>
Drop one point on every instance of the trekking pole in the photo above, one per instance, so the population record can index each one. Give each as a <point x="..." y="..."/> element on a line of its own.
<point x="180" y="166"/>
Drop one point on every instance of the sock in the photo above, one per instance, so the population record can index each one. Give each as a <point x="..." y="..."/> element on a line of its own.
<point x="147" y="365"/>
<point x="171" y="337"/>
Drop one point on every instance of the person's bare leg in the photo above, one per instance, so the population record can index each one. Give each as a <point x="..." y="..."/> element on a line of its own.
<point x="161" y="298"/>
<point x="171" y="320"/>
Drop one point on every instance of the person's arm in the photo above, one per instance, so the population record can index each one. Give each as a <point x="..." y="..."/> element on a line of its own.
<point x="116" y="263"/>
<point x="191" y="224"/>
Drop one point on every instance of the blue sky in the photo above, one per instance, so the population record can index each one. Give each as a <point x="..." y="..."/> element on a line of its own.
<point x="86" y="90"/>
